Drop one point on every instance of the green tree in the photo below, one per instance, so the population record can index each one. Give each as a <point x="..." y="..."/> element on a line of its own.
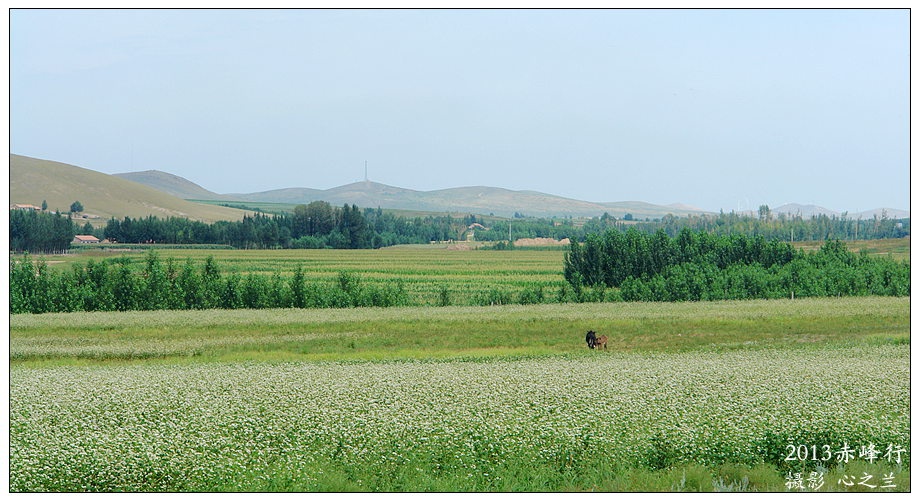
<point x="232" y="294"/>
<point x="156" y="286"/>
<point x="125" y="287"/>
<point x="22" y="284"/>
<point x="76" y="207"/>
<point x="314" y="219"/>
<point x="210" y="283"/>
<point x="298" y="289"/>
<point x="255" y="292"/>
<point x="190" y="287"/>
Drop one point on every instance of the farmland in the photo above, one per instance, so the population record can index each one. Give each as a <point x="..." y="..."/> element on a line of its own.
<point x="690" y="396"/>
<point x="897" y="248"/>
<point x="423" y="270"/>
<point x="420" y="275"/>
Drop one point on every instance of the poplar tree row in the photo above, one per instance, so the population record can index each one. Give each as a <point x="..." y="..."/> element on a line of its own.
<point x="118" y="285"/>
<point x="35" y="231"/>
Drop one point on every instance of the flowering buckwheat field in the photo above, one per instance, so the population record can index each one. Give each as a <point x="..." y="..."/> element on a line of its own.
<point x="541" y="423"/>
<point x="648" y="419"/>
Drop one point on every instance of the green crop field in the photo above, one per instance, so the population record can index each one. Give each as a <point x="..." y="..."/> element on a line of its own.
<point x="424" y="270"/>
<point x="897" y="248"/>
<point x="800" y="395"/>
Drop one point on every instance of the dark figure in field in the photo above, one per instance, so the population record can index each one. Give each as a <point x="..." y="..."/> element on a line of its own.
<point x="591" y="339"/>
<point x="601" y="341"/>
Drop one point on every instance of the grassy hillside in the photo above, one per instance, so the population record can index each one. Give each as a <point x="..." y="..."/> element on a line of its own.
<point x="103" y="196"/>
<point x="362" y="194"/>
<point x="506" y="202"/>
<point x="171" y="184"/>
<point x="292" y="196"/>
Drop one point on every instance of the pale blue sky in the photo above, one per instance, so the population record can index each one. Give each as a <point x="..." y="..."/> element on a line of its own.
<point x="706" y="107"/>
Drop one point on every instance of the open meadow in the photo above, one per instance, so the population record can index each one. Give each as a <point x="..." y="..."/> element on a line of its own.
<point x="746" y="395"/>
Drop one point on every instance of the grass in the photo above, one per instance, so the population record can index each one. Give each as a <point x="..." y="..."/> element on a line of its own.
<point x="423" y="332"/>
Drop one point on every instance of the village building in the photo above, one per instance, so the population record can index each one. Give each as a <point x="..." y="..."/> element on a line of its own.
<point x="85" y="239"/>
<point x="27" y="207"/>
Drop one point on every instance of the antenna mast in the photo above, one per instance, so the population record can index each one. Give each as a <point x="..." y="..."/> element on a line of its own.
<point x="365" y="171"/>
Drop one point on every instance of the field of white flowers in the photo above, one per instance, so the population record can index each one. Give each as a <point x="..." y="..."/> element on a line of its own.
<point x="541" y="423"/>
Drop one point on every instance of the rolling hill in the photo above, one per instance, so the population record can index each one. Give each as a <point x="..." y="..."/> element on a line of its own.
<point x="171" y="184"/>
<point x="103" y="196"/>
<point x="138" y="194"/>
<point x="470" y="199"/>
<point x="475" y="199"/>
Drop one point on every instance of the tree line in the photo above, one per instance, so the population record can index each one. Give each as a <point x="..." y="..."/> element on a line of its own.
<point x="772" y="227"/>
<point x="699" y="266"/>
<point x="34" y="231"/>
<point x="782" y="227"/>
<point x="320" y="225"/>
<point x="118" y="285"/>
<point x="316" y="225"/>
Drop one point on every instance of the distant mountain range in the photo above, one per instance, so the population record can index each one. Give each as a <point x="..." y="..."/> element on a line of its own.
<point x="471" y="199"/>
<point x="474" y="199"/>
<point x="160" y="193"/>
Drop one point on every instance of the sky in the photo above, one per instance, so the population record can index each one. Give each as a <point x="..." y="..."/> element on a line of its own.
<point x="718" y="109"/>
